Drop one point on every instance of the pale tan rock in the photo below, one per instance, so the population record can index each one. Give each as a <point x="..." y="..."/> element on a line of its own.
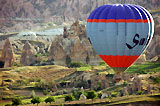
<point x="28" y="55"/>
<point x="78" y="52"/>
<point x="82" y="97"/>
<point x="7" y="54"/>
<point x="141" y="59"/>
<point x="73" y="45"/>
<point x="57" y="53"/>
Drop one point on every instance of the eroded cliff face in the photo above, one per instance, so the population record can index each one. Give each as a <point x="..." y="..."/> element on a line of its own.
<point x="153" y="50"/>
<point x="17" y="15"/>
<point x="73" y="45"/>
<point x="21" y="15"/>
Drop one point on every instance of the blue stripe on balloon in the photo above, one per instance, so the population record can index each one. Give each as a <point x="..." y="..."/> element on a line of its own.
<point x="130" y="12"/>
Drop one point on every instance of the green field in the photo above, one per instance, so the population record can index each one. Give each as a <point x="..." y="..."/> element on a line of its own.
<point x="31" y="75"/>
<point x="144" y="68"/>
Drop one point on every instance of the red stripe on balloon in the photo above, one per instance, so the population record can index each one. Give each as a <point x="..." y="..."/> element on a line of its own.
<point x="119" y="61"/>
<point x="119" y="20"/>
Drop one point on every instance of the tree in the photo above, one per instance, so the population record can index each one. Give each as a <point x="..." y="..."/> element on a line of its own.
<point x="50" y="99"/>
<point x="16" y="101"/>
<point x="91" y="94"/>
<point x="1" y="64"/>
<point x="77" y="94"/>
<point x="68" y="60"/>
<point x="36" y="100"/>
<point x="69" y="98"/>
<point x="75" y="64"/>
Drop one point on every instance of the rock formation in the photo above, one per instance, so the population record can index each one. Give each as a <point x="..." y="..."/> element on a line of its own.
<point x="57" y="52"/>
<point x="154" y="46"/>
<point x="7" y="54"/>
<point x="31" y="13"/>
<point x="125" y="91"/>
<point x="137" y="84"/>
<point x="141" y="59"/>
<point x="28" y="55"/>
<point x="73" y="45"/>
<point x="82" y="97"/>
<point x="104" y="95"/>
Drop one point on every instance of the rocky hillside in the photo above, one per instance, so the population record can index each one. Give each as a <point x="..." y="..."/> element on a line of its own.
<point x="17" y="15"/>
<point x="73" y="45"/>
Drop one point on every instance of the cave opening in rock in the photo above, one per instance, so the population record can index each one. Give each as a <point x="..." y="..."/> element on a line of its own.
<point x="1" y="64"/>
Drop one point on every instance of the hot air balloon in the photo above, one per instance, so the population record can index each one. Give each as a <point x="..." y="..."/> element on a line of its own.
<point x="120" y="33"/>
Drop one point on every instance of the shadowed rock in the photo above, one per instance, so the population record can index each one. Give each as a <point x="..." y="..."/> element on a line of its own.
<point x="28" y="55"/>
<point x="7" y="54"/>
<point x="73" y="45"/>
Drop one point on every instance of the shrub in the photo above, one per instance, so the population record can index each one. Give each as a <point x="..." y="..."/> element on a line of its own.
<point x="77" y="94"/>
<point x="64" y="91"/>
<point x="16" y="101"/>
<point x="114" y="94"/>
<point x="125" y="83"/>
<point x="156" y="80"/>
<point x="91" y="94"/>
<point x="102" y="63"/>
<point x="45" y="92"/>
<point x="142" y="72"/>
<point x="100" y="95"/>
<point x="75" y="64"/>
<point x="68" y="60"/>
<point x="140" y="92"/>
<point x="69" y="98"/>
<point x="1" y="64"/>
<point x="38" y="55"/>
<point x="17" y="64"/>
<point x="99" y="85"/>
<point x="50" y="99"/>
<point x="36" y="100"/>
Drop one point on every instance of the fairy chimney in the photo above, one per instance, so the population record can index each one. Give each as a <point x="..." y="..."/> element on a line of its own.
<point x="7" y="54"/>
<point x="28" y="54"/>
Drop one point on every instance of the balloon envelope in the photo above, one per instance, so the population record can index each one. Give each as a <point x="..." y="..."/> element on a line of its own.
<point x="119" y="33"/>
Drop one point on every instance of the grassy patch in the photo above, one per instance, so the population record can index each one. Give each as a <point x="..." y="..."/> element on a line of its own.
<point x="85" y="68"/>
<point x="134" y="98"/>
<point x="144" y="68"/>
<point x="155" y="10"/>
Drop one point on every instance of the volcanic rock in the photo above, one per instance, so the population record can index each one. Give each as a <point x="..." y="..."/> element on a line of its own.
<point x="7" y="54"/>
<point x="73" y="45"/>
<point x="125" y="91"/>
<point x="104" y="95"/>
<point x="82" y="97"/>
<point x="28" y="55"/>
<point x="137" y="84"/>
<point x="57" y="52"/>
<point x="141" y="59"/>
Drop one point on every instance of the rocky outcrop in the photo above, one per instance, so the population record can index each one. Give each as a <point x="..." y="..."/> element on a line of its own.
<point x="30" y="13"/>
<point x="57" y="52"/>
<point x="73" y="45"/>
<point x="7" y="54"/>
<point x="28" y="55"/>
<point x="82" y="97"/>
<point x="154" y="46"/>
<point x="141" y="59"/>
